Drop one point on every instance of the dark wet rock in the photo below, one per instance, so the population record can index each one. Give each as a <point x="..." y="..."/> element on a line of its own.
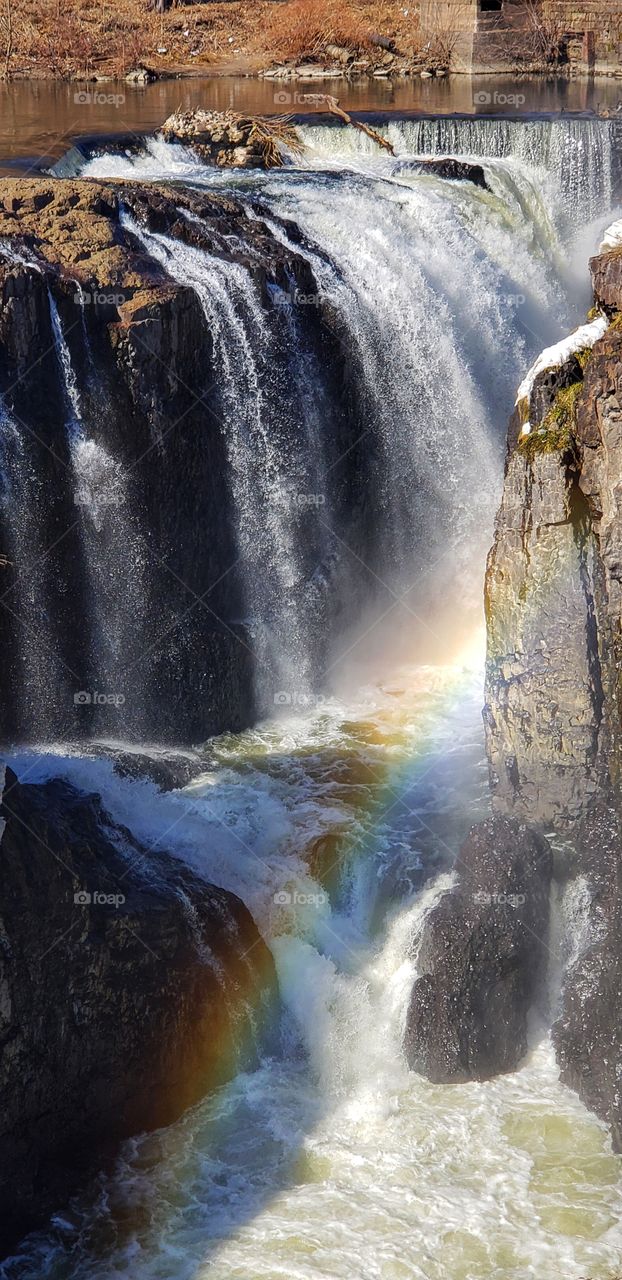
<point x="128" y="988"/>
<point x="455" y="170"/>
<point x="482" y="958"/>
<point x="588" y="1032"/>
<point x="170" y="770"/>
<point x="554" y="693"/>
<point x="548" y="384"/>
<point x="606" y="271"/>
<point x="544" y="697"/>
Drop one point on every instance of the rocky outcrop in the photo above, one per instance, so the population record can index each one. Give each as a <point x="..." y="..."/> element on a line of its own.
<point x="544" y="702"/>
<point x="233" y="141"/>
<point x="455" y="170"/>
<point x="128" y="988"/>
<point x="588" y="1033"/>
<point x="482" y="958"/>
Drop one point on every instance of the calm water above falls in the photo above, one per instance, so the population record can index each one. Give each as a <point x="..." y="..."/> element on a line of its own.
<point x="338" y="824"/>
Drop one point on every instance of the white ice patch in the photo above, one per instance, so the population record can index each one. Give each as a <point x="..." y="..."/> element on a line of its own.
<point x="554" y="357"/>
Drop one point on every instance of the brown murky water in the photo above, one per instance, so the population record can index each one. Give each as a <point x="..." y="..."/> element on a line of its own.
<point x="39" y="120"/>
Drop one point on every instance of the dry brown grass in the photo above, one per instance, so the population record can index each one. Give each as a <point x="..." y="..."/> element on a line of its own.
<point x="302" y="29"/>
<point x="68" y="38"/>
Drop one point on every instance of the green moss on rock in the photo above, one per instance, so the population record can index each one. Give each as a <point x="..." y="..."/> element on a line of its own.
<point x="556" y="431"/>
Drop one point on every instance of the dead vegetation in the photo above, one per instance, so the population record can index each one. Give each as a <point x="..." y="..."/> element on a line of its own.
<point x="304" y="30"/>
<point x="50" y="38"/>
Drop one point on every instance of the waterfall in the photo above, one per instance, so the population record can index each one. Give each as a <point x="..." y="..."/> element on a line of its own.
<point x="441" y="292"/>
<point x="336" y="825"/>
<point x="270" y="409"/>
<point x="577" y="160"/>
<point x="28" y="600"/>
<point x="115" y="559"/>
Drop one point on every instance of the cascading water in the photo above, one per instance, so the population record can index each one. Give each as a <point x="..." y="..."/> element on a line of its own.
<point x="331" y="1159"/>
<point x="441" y="290"/>
<point x="265" y="404"/>
<point x="114" y="553"/>
<point x="29" y="598"/>
<point x="575" y="160"/>
<point x="338" y="827"/>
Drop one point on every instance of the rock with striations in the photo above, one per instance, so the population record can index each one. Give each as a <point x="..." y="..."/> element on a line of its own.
<point x="554" y="593"/>
<point x="588" y="1032"/>
<point x="482" y="958"/>
<point x="129" y="987"/>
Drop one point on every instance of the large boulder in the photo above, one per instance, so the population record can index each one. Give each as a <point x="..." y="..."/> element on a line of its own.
<point x="482" y="956"/>
<point x="128" y="988"/>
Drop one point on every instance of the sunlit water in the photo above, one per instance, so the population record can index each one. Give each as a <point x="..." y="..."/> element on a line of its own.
<point x="338" y="825"/>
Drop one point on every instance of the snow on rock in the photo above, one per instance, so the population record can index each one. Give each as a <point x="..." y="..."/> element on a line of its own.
<point x="554" y="357"/>
<point x="612" y="237"/>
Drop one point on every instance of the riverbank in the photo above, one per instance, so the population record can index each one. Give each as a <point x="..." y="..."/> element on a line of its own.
<point x="373" y="39"/>
<point x="233" y="37"/>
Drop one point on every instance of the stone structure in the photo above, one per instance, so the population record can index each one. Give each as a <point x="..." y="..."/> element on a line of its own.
<point x="498" y="35"/>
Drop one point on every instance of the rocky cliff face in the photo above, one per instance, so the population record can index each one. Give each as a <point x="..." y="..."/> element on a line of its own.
<point x="553" y="589"/>
<point x="144" y="363"/>
<point x="128" y="988"/>
<point x="553" y="711"/>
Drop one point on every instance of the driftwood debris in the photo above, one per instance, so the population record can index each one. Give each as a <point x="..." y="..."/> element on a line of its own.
<point x="332" y="105"/>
